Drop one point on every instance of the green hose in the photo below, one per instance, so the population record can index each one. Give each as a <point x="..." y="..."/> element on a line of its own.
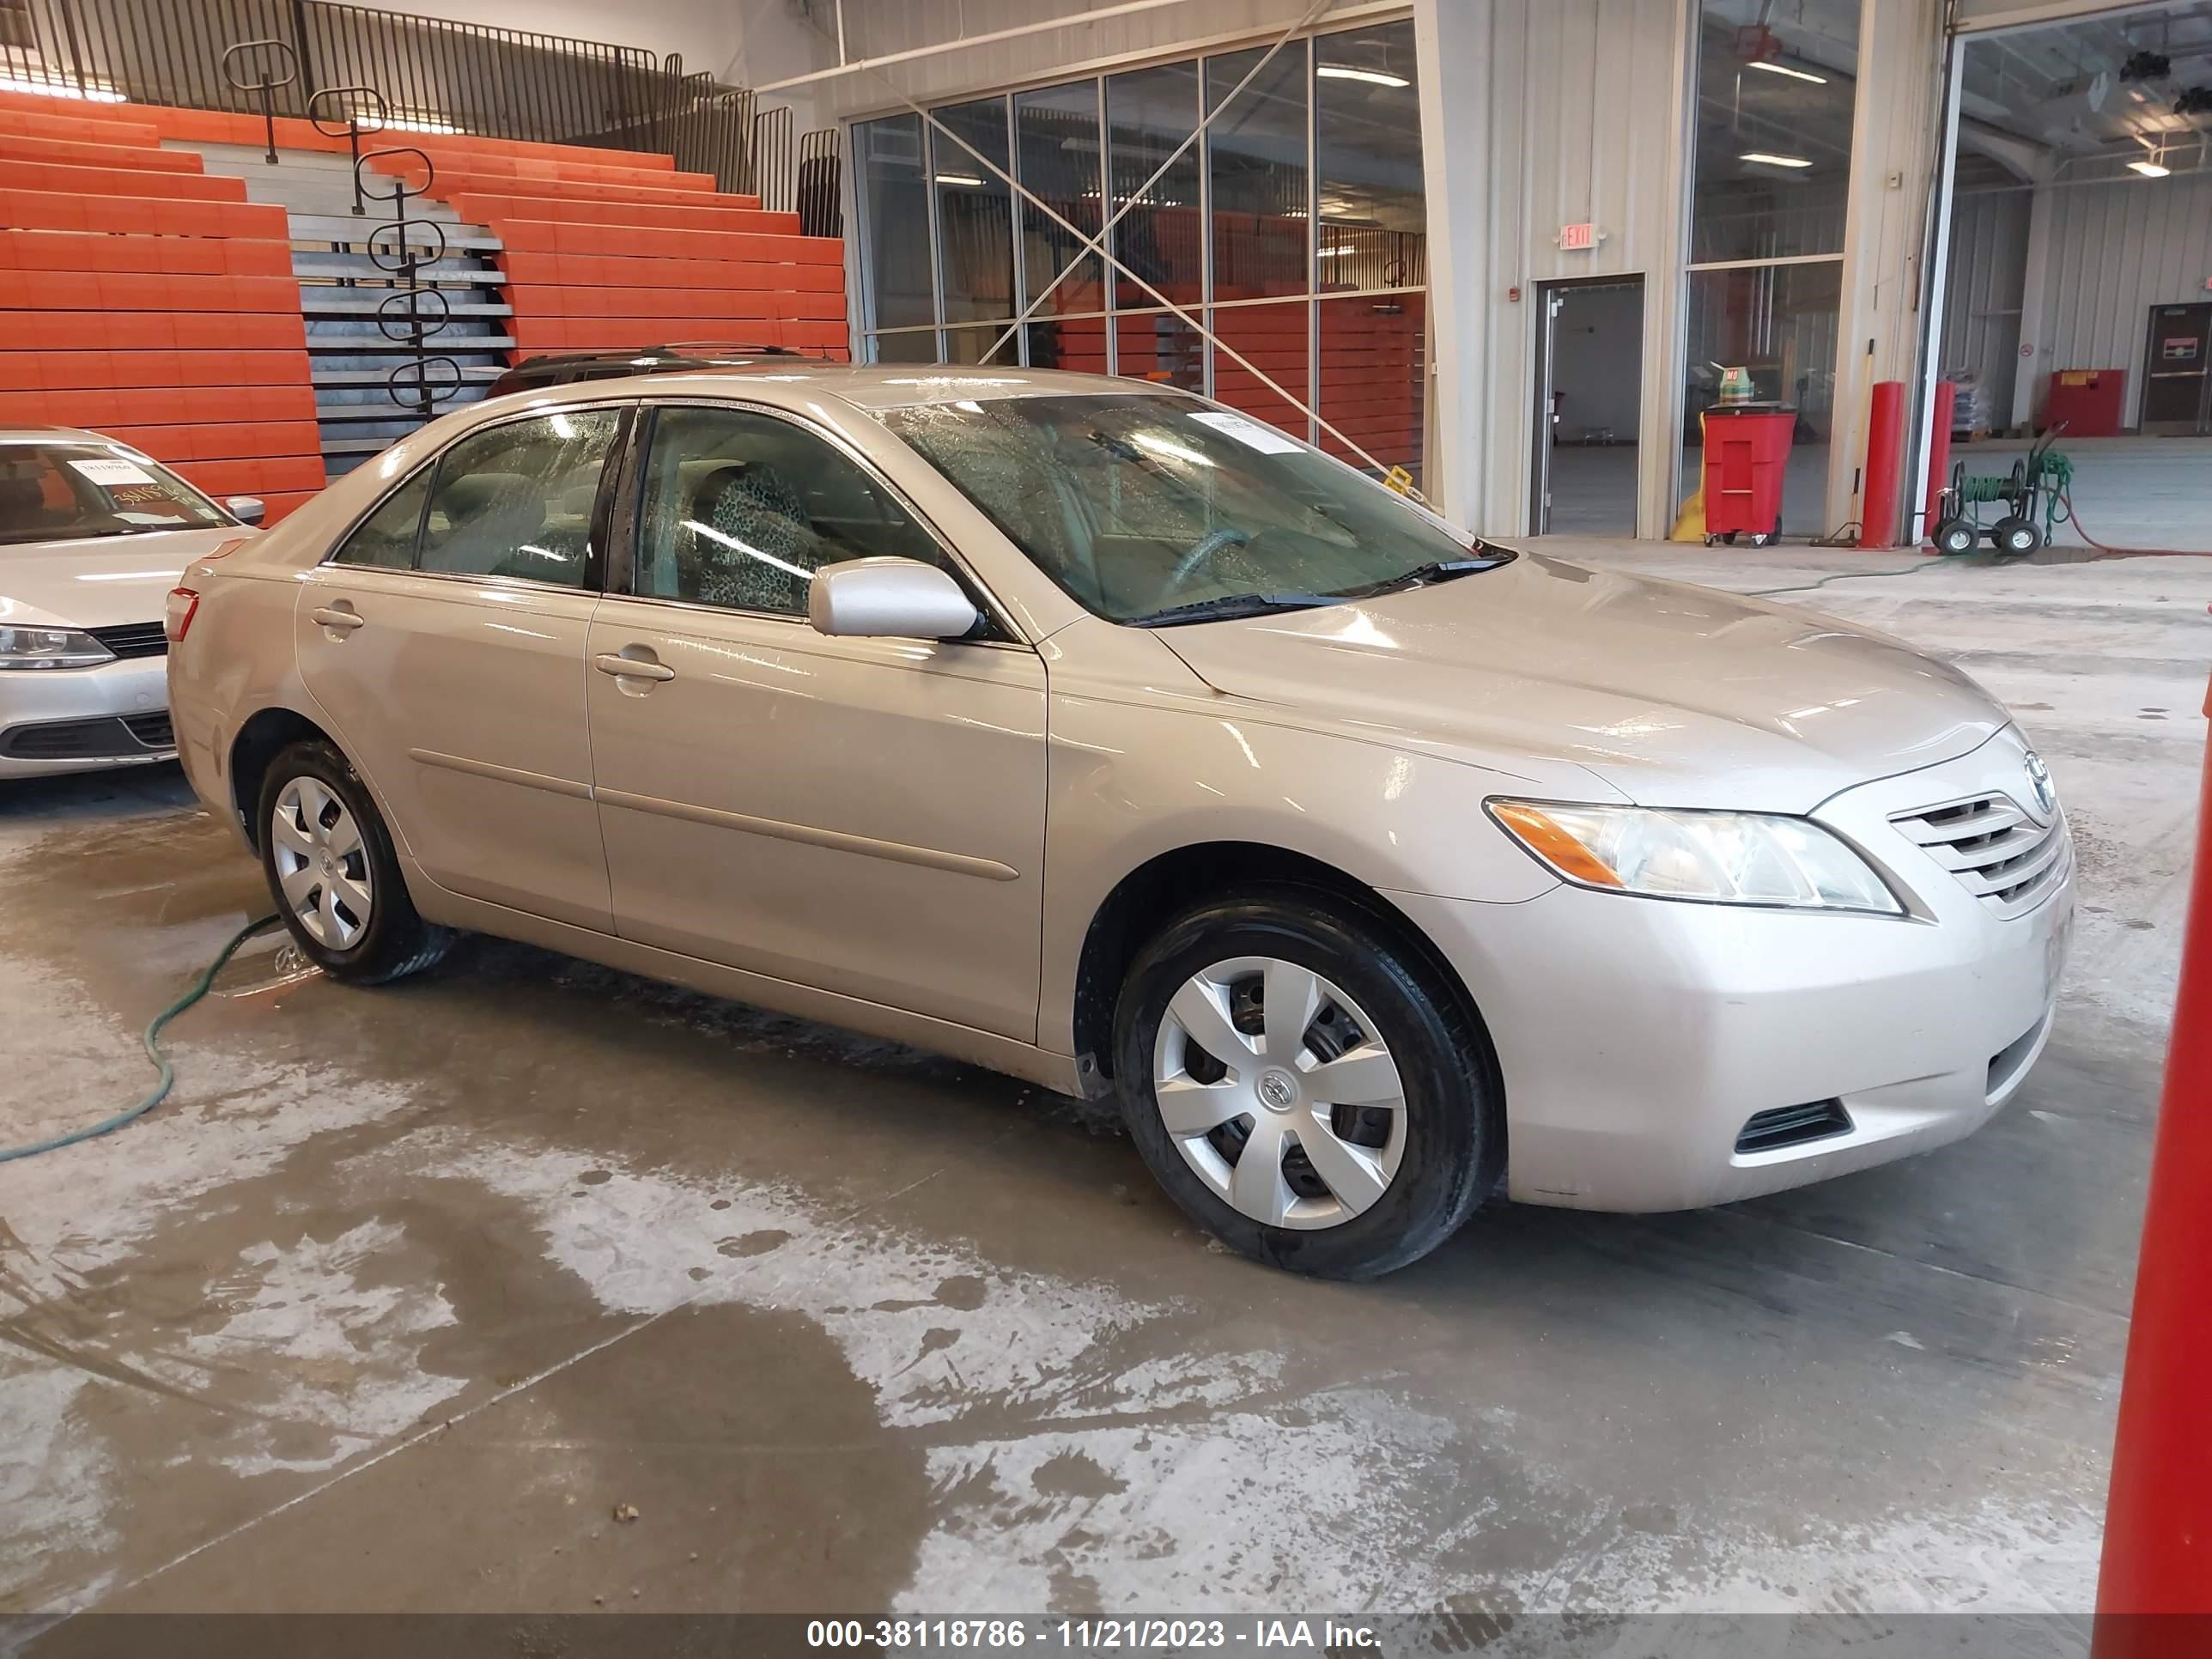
<point x="161" y="1091"/>
<point x="1844" y="576"/>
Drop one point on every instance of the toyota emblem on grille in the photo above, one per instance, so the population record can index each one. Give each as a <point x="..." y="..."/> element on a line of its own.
<point x="2039" y="785"/>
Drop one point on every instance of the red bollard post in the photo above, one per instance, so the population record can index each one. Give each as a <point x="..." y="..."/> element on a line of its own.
<point x="2158" y="1517"/>
<point x="1884" y="461"/>
<point x="1939" y="457"/>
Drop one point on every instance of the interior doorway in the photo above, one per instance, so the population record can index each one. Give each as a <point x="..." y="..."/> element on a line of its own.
<point x="2176" y="399"/>
<point x="1589" y="406"/>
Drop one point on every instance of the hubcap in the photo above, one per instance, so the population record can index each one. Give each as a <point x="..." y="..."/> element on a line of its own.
<point x="1279" y="1092"/>
<point x="322" y="864"/>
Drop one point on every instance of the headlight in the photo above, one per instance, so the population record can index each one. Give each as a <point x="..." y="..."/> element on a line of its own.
<point x="51" y="648"/>
<point x="1725" y="857"/>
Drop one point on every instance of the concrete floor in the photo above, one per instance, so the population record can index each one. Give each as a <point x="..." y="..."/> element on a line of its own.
<point x="2134" y="492"/>
<point x="407" y="1289"/>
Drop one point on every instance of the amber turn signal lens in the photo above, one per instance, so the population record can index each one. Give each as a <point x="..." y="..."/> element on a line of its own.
<point x="1561" y="850"/>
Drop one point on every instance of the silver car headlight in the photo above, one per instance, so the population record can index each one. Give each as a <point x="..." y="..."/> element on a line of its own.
<point x="1723" y="858"/>
<point x="51" y="648"/>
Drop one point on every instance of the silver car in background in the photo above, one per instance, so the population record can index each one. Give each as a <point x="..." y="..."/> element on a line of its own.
<point x="93" y="536"/>
<point x="1108" y="737"/>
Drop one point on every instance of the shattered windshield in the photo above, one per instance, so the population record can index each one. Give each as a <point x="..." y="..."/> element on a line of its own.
<point x="1156" y="510"/>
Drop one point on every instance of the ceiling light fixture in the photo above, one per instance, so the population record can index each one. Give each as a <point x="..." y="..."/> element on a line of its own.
<point x="1346" y="72"/>
<point x="2150" y="169"/>
<point x="1794" y="74"/>
<point x="965" y="178"/>
<point x="1760" y="156"/>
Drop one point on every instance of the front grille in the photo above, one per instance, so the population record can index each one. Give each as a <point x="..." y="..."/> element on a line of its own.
<point x="1792" y="1126"/>
<point x="127" y="640"/>
<point x="2005" y="858"/>
<point x="110" y="737"/>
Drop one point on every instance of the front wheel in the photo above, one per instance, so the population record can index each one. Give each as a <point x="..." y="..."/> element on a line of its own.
<point x="334" y="875"/>
<point x="1954" y="537"/>
<point x="1303" y="1087"/>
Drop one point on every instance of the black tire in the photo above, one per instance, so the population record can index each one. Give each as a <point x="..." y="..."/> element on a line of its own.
<point x="1764" y="538"/>
<point x="397" y="941"/>
<point x="1954" y="537"/>
<point x="1455" y="1142"/>
<point x="2015" y="536"/>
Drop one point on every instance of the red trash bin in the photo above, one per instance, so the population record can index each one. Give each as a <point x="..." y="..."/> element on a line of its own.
<point x="1747" y="453"/>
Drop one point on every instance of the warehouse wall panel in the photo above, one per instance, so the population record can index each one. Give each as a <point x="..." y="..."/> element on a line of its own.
<point x="2114" y="251"/>
<point x="1983" y="291"/>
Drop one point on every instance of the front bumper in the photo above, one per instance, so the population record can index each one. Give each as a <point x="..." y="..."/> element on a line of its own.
<point x="1638" y="1038"/>
<point x="81" y="720"/>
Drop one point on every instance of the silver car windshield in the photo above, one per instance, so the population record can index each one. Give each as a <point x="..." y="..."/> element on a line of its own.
<point x="1156" y="510"/>
<point x="58" y="492"/>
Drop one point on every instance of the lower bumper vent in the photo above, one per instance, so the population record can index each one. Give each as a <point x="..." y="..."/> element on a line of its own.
<point x="107" y="737"/>
<point x="1792" y="1126"/>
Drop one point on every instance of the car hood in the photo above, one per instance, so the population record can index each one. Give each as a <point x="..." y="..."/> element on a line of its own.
<point x="100" y="581"/>
<point x="1676" y="696"/>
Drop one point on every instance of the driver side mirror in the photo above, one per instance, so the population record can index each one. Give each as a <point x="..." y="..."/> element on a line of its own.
<point x="246" y="509"/>
<point x="889" y="599"/>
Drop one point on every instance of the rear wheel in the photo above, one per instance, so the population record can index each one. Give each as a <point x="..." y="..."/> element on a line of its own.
<point x="1303" y="1088"/>
<point x="333" y="874"/>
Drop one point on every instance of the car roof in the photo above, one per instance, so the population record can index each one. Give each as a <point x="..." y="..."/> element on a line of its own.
<point x="29" y="434"/>
<point x="870" y="387"/>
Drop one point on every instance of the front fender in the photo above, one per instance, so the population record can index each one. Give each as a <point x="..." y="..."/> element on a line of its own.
<point x="1131" y="779"/>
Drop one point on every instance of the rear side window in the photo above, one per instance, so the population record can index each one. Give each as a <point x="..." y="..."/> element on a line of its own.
<point x="514" y="500"/>
<point x="386" y="537"/>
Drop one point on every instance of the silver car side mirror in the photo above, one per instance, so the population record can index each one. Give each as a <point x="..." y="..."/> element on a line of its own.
<point x="888" y="598"/>
<point x="246" y="509"/>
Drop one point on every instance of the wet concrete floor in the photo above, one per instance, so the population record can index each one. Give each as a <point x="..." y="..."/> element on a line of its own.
<point x="407" y="1291"/>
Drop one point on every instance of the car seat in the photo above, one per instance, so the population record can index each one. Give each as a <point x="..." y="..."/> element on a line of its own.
<point x="758" y="545"/>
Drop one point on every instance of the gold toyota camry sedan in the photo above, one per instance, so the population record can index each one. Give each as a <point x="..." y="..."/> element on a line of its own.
<point x="1100" y="734"/>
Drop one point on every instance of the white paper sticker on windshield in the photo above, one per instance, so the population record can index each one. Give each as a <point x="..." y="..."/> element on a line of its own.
<point x="107" y="474"/>
<point x="1252" y="434"/>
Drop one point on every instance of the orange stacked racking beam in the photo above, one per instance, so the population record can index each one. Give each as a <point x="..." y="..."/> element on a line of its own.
<point x="601" y="254"/>
<point x="144" y="299"/>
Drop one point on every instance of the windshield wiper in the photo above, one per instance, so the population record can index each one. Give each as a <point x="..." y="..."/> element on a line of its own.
<point x="1228" y="607"/>
<point x="1436" y="570"/>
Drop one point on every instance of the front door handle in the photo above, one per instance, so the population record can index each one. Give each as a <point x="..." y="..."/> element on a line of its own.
<point x="632" y="668"/>
<point x="344" y="618"/>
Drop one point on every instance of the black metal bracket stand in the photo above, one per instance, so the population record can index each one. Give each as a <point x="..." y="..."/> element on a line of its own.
<point x="360" y="103"/>
<point x="411" y="385"/>
<point x="266" y="87"/>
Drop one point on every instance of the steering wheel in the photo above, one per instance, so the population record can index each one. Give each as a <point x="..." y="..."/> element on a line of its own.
<point x="1213" y="542"/>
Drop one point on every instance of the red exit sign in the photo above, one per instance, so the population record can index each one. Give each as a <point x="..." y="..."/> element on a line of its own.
<point x="1577" y="238"/>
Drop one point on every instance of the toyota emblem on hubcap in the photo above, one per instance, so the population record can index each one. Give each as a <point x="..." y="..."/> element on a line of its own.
<point x="1278" y="1092"/>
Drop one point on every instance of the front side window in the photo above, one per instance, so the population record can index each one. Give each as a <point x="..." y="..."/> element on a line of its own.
<point x="1150" y="508"/>
<point x="739" y="509"/>
<point x="62" y="491"/>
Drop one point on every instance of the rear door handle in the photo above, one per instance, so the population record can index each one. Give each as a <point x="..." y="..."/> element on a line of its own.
<point x="344" y="618"/>
<point x="632" y="668"/>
